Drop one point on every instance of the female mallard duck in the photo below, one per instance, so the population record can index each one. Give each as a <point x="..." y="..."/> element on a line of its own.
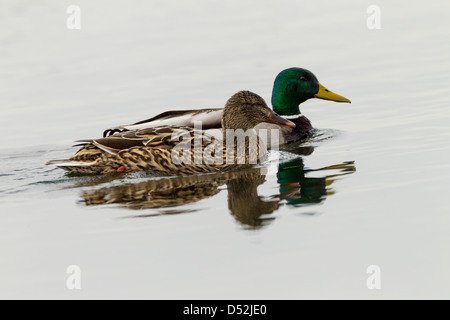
<point x="181" y="150"/>
<point x="291" y="88"/>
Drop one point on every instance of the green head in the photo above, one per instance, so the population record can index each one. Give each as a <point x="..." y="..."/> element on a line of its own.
<point x="296" y="85"/>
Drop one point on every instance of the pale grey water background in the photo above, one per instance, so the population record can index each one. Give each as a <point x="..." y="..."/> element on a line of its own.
<point x="134" y="59"/>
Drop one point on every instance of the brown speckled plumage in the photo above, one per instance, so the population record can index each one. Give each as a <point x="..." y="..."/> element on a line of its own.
<point x="152" y="149"/>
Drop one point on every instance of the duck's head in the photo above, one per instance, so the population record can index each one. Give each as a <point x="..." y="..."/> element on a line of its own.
<point x="296" y="85"/>
<point x="245" y="110"/>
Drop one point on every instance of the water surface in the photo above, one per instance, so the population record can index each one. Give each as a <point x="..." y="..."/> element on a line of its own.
<point x="369" y="189"/>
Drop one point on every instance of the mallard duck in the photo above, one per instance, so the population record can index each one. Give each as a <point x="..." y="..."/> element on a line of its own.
<point x="181" y="150"/>
<point x="291" y="88"/>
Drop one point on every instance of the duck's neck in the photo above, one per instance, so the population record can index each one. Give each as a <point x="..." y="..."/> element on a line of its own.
<point x="286" y="100"/>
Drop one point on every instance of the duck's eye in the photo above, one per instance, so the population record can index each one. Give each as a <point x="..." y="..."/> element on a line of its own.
<point x="303" y="78"/>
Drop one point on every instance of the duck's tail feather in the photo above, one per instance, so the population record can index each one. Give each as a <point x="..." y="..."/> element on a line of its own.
<point x="82" y="143"/>
<point x="68" y="163"/>
<point x="105" y="148"/>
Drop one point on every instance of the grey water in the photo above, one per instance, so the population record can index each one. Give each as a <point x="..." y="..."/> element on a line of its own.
<point x="369" y="189"/>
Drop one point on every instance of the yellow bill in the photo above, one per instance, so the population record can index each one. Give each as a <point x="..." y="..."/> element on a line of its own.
<point x="326" y="94"/>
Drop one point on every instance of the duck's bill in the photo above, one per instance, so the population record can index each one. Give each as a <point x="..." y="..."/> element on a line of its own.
<point x="326" y="94"/>
<point x="276" y="119"/>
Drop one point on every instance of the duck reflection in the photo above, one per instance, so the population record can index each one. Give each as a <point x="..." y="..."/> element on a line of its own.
<point x="166" y="192"/>
<point x="245" y="204"/>
<point x="298" y="189"/>
<point x="251" y="210"/>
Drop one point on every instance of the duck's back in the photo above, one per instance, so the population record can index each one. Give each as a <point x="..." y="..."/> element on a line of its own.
<point x="164" y="150"/>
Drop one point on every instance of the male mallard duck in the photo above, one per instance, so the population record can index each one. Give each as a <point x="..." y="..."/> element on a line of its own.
<point x="180" y="150"/>
<point x="291" y="88"/>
